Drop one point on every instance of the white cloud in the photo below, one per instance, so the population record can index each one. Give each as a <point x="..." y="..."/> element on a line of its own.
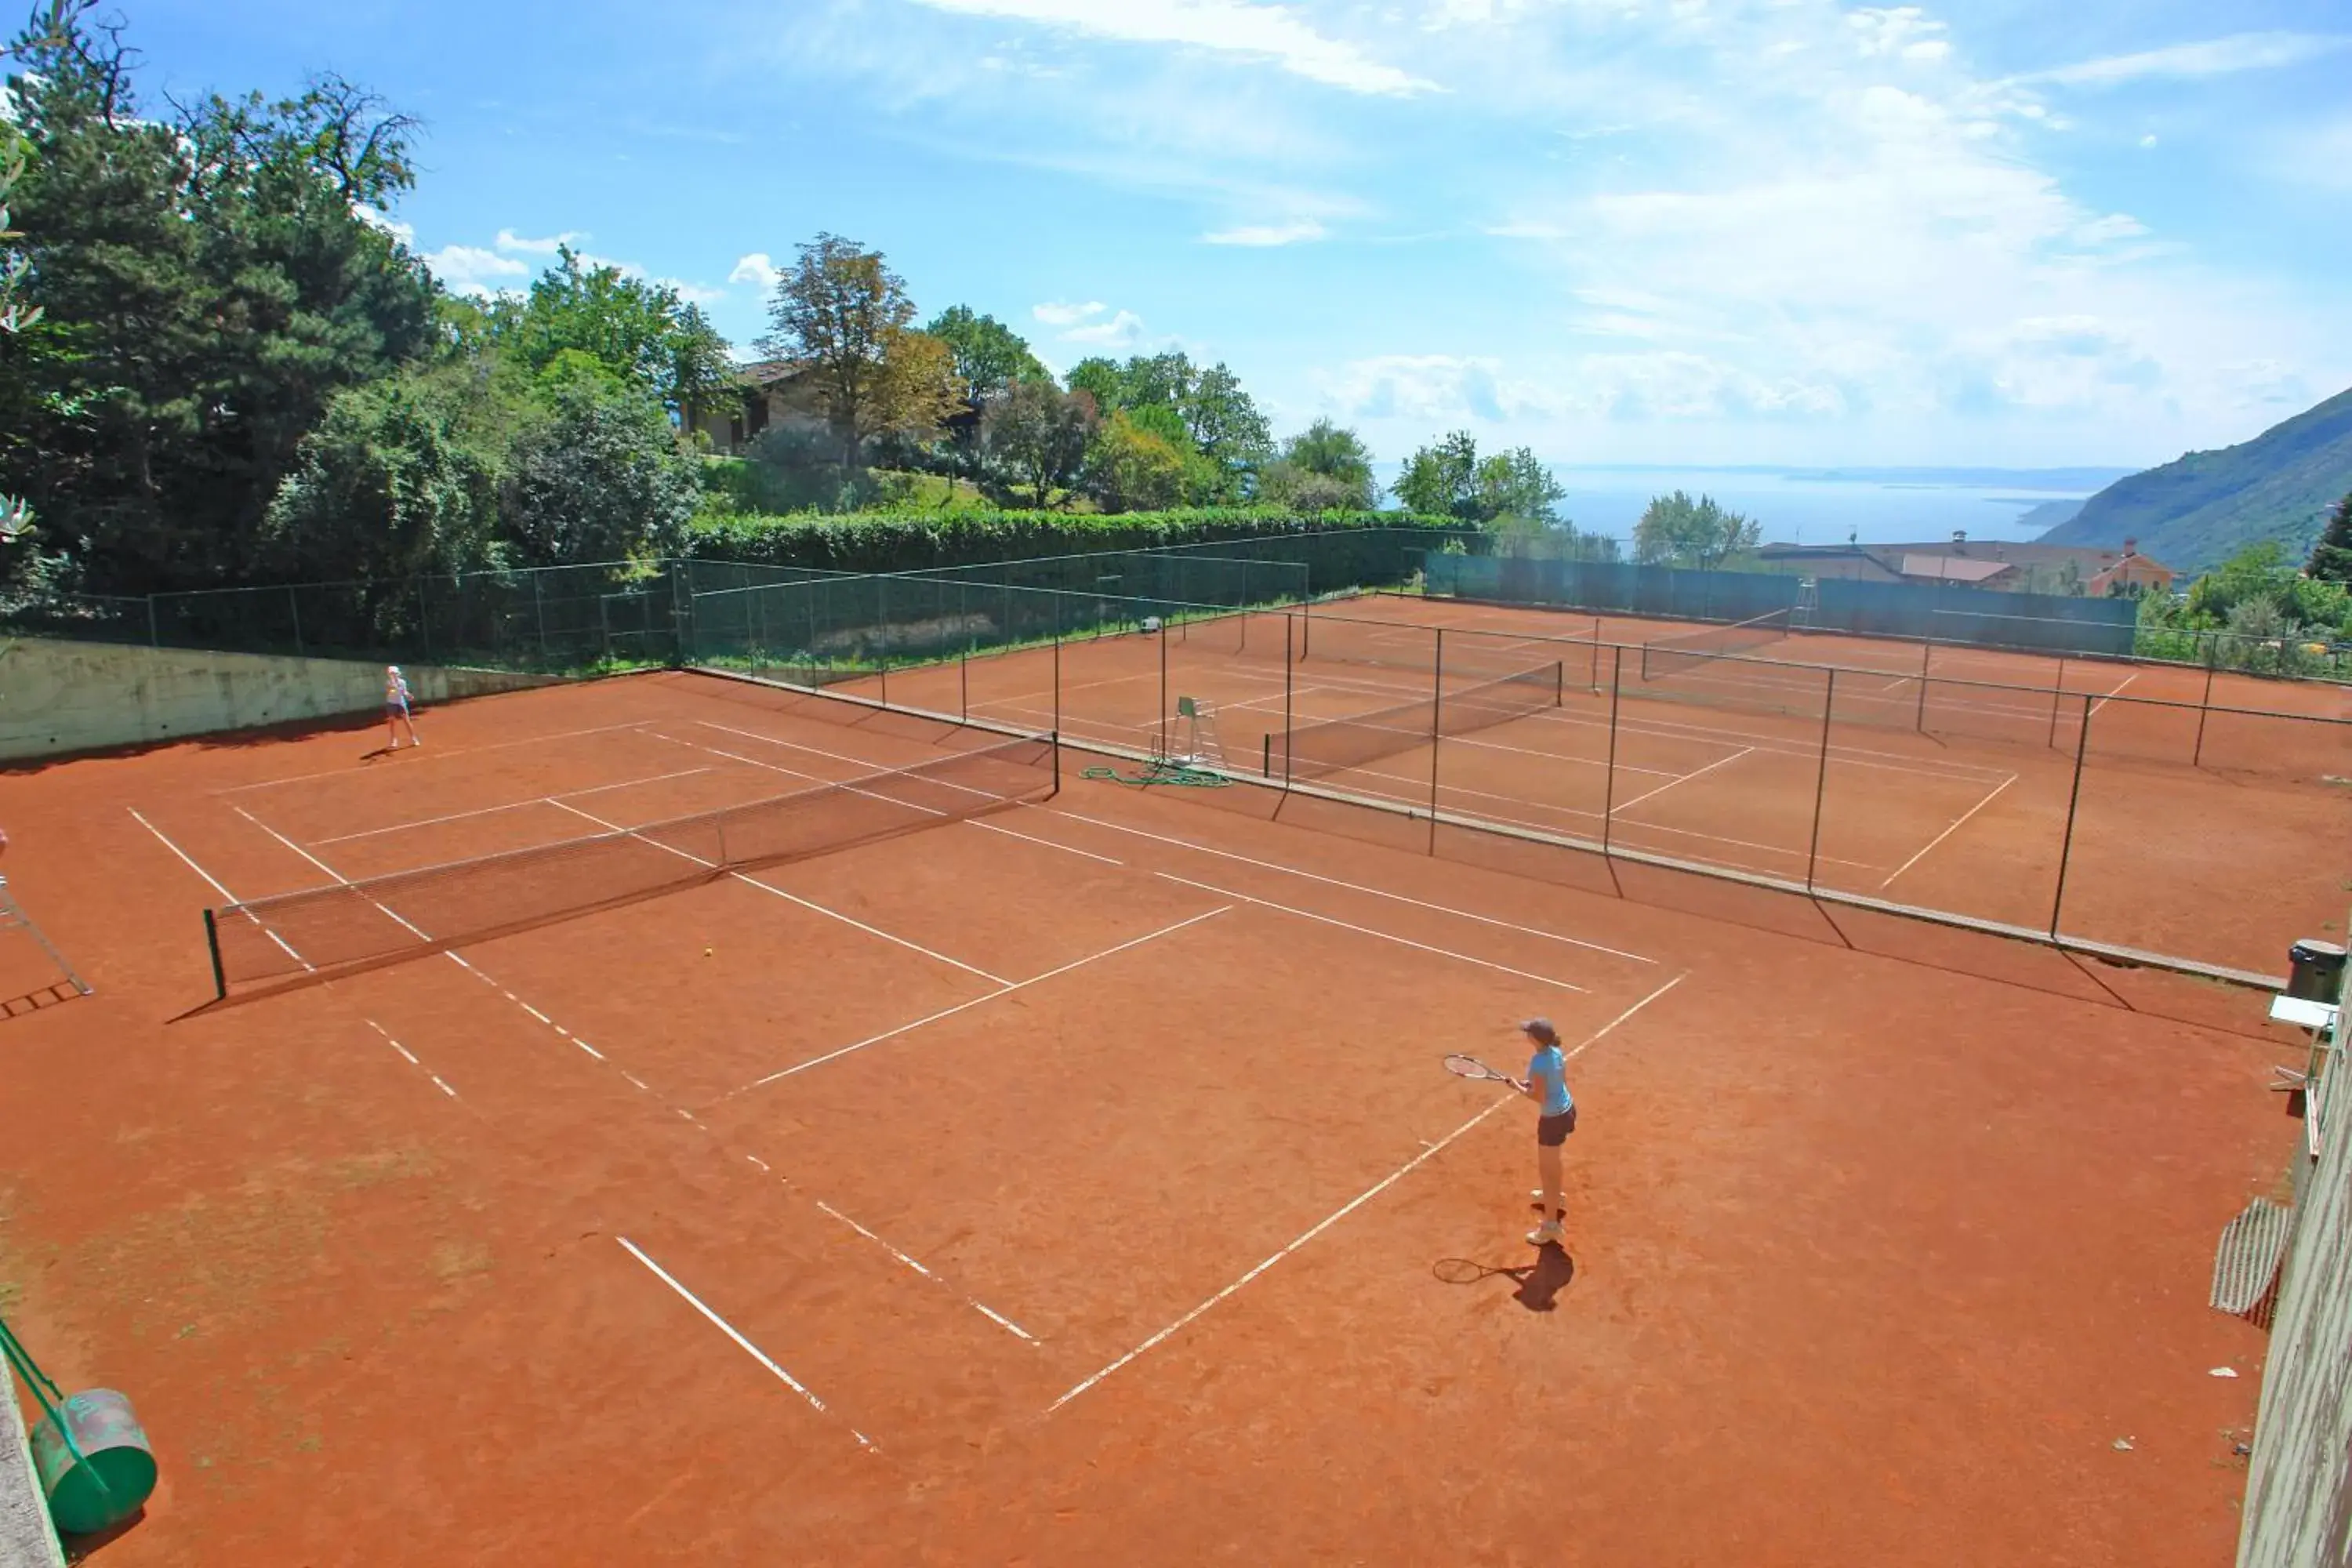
<point x="1057" y="313"/>
<point x="1272" y="34"/>
<point x="2213" y="57"/>
<point x="757" y="268"/>
<point x="469" y="269"/>
<point x="1264" y="234"/>
<point x="404" y="232"/>
<point x="508" y="240"/>
<point x="692" y="293"/>
<point x="1121" y="330"/>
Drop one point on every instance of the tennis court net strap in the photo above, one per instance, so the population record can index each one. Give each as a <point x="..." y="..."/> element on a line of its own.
<point x="381" y="919"/>
<point x="1689" y="650"/>
<point x="1336" y="744"/>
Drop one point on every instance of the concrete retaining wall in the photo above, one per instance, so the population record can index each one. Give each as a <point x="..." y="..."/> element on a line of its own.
<point x="57" y="696"/>
<point x="26" y="1539"/>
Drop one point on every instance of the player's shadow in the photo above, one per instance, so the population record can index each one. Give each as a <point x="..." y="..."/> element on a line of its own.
<point x="1539" y="1283"/>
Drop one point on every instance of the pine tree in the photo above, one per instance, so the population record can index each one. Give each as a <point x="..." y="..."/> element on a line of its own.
<point x="2331" y="558"/>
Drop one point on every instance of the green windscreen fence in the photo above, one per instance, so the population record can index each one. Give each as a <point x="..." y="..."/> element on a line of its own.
<point x="1918" y="613"/>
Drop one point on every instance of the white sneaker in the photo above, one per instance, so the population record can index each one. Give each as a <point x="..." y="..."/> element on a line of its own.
<point x="1548" y="1234"/>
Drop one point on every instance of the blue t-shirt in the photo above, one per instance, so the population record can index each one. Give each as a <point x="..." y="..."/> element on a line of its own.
<point x="1548" y="1074"/>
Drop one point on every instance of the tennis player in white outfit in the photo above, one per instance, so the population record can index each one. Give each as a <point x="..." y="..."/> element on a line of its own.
<point x="396" y="709"/>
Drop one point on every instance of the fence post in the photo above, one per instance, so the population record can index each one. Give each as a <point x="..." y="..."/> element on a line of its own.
<point x="1927" y="651"/>
<point x="294" y="608"/>
<point x="424" y="621"/>
<point x="2204" y="706"/>
<point x="1436" y="730"/>
<point x="1163" y="686"/>
<point x="1286" y="687"/>
<point x="1821" y="777"/>
<point x="2074" y="796"/>
<point x="539" y="617"/>
<point x="1609" y="773"/>
<point x="154" y="638"/>
<point x="1057" y="678"/>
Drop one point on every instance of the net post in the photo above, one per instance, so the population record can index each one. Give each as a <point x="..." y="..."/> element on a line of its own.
<point x="2204" y="706"/>
<point x="212" y="946"/>
<point x="2074" y="797"/>
<point x="1821" y="776"/>
<point x="2057" y="696"/>
<point x="1609" y="772"/>
<point x="1057" y="764"/>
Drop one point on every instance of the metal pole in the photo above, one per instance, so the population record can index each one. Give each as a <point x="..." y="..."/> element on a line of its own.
<point x="1286" y="720"/>
<point x="1927" y="650"/>
<point x="1609" y="773"/>
<point x="1821" y="777"/>
<point x="294" y="607"/>
<point x="1163" y="686"/>
<point x="2057" y="695"/>
<point x="1436" y="728"/>
<point x="424" y="621"/>
<point x="154" y="638"/>
<point x="211" y="946"/>
<point x="963" y="685"/>
<point x="539" y="617"/>
<point x="2204" y="706"/>
<point x="1057" y="679"/>
<point x="1265" y="758"/>
<point x="2066" y="846"/>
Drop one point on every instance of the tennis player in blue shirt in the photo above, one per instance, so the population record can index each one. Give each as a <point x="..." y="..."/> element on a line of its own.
<point x="1547" y="1085"/>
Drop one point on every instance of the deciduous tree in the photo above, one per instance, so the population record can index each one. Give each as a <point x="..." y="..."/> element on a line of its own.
<point x="842" y="315"/>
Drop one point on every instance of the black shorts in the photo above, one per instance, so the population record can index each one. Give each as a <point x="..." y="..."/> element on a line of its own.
<point x="1551" y="1131"/>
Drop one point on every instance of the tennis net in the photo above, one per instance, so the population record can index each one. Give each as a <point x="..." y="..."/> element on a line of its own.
<point x="434" y="908"/>
<point x="1336" y="744"/>
<point x="1688" y="650"/>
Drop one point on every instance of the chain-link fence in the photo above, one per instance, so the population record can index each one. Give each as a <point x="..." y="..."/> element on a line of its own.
<point x="552" y="618"/>
<point x="2190" y="831"/>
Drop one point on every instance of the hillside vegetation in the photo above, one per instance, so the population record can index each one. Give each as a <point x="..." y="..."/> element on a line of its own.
<point x="2199" y="509"/>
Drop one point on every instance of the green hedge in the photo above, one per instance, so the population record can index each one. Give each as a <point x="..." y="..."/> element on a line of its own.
<point x="914" y="541"/>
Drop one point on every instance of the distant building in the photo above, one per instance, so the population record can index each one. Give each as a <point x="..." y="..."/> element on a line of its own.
<point x="771" y="393"/>
<point x="1996" y="563"/>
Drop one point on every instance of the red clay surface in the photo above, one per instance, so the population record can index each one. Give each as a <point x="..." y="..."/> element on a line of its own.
<point x="597" y="1243"/>
<point x="2222" y="848"/>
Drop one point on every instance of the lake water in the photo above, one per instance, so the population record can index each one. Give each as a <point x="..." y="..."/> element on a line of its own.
<point x="1809" y="510"/>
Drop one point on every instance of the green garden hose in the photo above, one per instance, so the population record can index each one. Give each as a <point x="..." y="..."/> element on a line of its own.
<point x="1175" y="773"/>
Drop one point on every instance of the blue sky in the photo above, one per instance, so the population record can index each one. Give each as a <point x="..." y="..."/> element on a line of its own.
<point x="1999" y="232"/>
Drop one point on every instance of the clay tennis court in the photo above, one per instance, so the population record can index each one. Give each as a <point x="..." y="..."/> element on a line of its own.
<point x="2192" y="835"/>
<point x="1076" y="1182"/>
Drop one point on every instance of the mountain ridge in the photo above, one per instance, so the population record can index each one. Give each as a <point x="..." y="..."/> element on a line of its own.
<point x="2201" y="508"/>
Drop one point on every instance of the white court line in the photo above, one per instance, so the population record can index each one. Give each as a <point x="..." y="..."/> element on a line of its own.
<point x="185" y="858"/>
<point x="511" y="806"/>
<point x="2115" y="691"/>
<point x="439" y="754"/>
<point x="961" y="1006"/>
<point x="999" y="1318"/>
<point x="1031" y="838"/>
<point x="1368" y="930"/>
<point x="1719" y="762"/>
<point x="418" y="931"/>
<point x="1955" y="827"/>
<point x="724" y="1327"/>
<point x="1352" y="887"/>
<point x="215" y="883"/>
<point x="1352" y="1204"/>
<point x="791" y="898"/>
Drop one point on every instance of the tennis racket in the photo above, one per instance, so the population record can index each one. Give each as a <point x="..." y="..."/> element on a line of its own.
<point x="1461" y="1066"/>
